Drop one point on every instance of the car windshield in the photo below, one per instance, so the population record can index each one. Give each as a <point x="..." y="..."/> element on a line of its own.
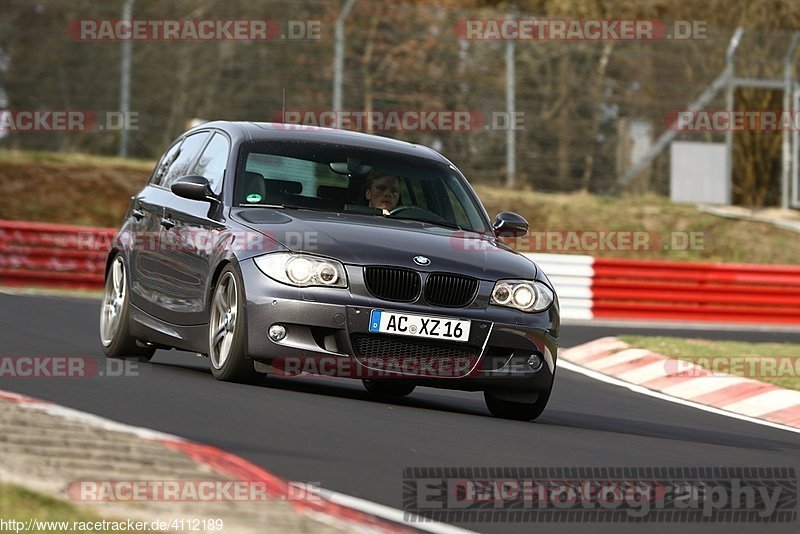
<point x="355" y="180"/>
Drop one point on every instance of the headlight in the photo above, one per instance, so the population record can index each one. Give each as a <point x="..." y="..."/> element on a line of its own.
<point x="525" y="295"/>
<point x="302" y="270"/>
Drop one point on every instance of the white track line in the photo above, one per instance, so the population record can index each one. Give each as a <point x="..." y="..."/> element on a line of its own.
<point x="391" y="514"/>
<point x="649" y="392"/>
<point x="52" y="292"/>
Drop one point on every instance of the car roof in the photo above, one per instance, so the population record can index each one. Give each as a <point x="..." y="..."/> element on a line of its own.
<point x="242" y="131"/>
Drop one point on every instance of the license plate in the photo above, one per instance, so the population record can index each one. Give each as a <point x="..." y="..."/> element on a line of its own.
<point x="408" y="324"/>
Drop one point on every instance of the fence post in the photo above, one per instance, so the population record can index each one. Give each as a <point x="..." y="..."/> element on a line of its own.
<point x="125" y="82"/>
<point x="511" y="140"/>
<point x="338" y="60"/>
<point x="788" y="96"/>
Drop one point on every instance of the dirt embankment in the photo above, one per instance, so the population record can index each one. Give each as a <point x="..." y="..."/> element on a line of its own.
<point x="72" y="193"/>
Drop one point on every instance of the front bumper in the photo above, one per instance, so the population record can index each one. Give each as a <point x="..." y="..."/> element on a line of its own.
<point x="323" y="324"/>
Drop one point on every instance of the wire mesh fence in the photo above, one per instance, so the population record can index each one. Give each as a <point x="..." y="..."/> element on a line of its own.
<point x="583" y="109"/>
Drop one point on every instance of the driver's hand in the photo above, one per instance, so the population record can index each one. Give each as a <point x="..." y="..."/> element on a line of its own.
<point x="385" y="211"/>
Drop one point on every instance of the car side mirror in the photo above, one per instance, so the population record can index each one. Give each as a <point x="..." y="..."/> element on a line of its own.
<point x="508" y="224"/>
<point x="194" y="187"/>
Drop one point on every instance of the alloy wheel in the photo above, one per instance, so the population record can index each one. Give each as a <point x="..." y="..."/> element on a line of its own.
<point x="223" y="320"/>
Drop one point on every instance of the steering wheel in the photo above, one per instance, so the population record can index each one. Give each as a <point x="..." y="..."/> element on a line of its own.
<point x="435" y="217"/>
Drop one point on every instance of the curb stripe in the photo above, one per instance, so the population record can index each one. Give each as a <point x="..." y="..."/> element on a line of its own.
<point x="635" y="365"/>
<point x="648" y="373"/>
<point x="668" y="382"/>
<point x="624" y="356"/>
<point x="696" y="386"/>
<point x="732" y="394"/>
<point x="771" y="401"/>
<point x="645" y="373"/>
<point x="786" y="416"/>
<point x="569" y="366"/>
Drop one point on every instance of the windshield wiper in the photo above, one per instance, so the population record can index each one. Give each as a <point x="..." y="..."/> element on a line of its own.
<point x="287" y="207"/>
<point x="260" y="206"/>
<point x="443" y="224"/>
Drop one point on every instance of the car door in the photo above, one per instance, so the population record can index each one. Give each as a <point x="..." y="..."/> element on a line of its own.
<point x="142" y="234"/>
<point x="155" y="259"/>
<point x="190" y="234"/>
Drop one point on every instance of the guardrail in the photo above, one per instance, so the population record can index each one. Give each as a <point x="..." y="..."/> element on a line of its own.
<point x="673" y="291"/>
<point x="55" y="255"/>
<point x="52" y="255"/>
<point x="572" y="277"/>
<point x="717" y="292"/>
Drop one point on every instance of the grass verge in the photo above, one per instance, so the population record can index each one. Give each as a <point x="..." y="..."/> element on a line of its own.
<point x="775" y="363"/>
<point x="48" y="514"/>
<point x="565" y="222"/>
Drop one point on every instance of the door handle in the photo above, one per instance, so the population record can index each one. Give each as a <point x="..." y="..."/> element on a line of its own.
<point x="167" y="223"/>
<point x="137" y="214"/>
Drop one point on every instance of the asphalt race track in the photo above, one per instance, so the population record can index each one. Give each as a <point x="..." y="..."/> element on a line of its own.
<point x="331" y="432"/>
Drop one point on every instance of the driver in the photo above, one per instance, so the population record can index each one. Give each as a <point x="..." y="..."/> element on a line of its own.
<point x="383" y="191"/>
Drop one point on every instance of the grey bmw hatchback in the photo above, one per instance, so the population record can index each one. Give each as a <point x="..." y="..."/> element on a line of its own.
<point x="288" y="250"/>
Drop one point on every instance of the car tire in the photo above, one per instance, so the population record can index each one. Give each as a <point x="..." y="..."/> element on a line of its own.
<point x="390" y="387"/>
<point x="115" y="334"/>
<point x="227" y="330"/>
<point x="519" y="411"/>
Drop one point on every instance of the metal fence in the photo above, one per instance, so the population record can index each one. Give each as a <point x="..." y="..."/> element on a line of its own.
<point x="586" y="109"/>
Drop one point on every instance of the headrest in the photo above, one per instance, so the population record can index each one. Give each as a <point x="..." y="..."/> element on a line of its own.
<point x="331" y="192"/>
<point x="283" y="186"/>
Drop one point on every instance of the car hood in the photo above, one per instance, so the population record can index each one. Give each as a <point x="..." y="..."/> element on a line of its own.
<point x="369" y="240"/>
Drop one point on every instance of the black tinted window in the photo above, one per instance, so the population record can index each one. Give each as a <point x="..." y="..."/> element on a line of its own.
<point x="213" y="162"/>
<point x="187" y="153"/>
<point x="164" y="164"/>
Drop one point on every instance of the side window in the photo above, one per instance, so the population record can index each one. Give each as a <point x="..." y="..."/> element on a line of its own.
<point x="163" y="165"/>
<point x="213" y="162"/>
<point x="186" y="154"/>
<point x="416" y="194"/>
<point x="405" y="193"/>
<point x="458" y="209"/>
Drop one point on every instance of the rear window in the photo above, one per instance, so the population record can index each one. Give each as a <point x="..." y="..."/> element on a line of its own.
<point x="298" y="176"/>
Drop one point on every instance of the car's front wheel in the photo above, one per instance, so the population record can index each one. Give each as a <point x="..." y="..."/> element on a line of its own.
<point x="520" y="411"/>
<point x="114" y="324"/>
<point x="396" y="389"/>
<point x="227" y="331"/>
